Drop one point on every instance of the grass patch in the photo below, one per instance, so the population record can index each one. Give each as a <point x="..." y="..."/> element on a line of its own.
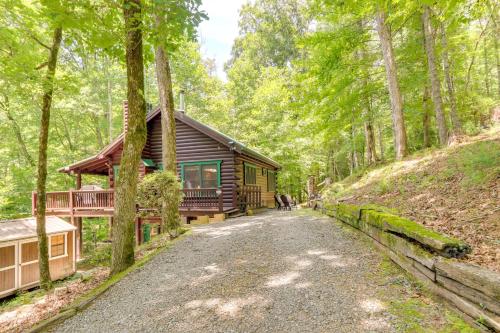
<point x="100" y="256"/>
<point x="478" y="163"/>
<point x="21" y="298"/>
<point x="409" y="314"/>
<point x="457" y="324"/>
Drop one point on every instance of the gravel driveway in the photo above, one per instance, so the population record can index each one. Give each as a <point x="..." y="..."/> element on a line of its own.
<point x="274" y="272"/>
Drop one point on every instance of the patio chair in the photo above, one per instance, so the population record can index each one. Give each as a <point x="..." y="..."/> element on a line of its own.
<point x="292" y="202"/>
<point x="287" y="205"/>
<point x="279" y="202"/>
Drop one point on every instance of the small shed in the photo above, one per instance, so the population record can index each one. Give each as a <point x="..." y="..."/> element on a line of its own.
<point x="19" y="252"/>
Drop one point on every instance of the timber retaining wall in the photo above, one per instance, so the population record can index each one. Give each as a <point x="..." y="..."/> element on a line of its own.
<point x="429" y="256"/>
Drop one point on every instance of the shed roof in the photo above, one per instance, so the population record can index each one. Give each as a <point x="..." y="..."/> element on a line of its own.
<point x="26" y="228"/>
<point x="99" y="161"/>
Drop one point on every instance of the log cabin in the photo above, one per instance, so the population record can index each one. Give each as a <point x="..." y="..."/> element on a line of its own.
<point x="19" y="252"/>
<point x="219" y="175"/>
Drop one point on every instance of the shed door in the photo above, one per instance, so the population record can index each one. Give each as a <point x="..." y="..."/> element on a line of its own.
<point x="28" y="263"/>
<point x="8" y="267"/>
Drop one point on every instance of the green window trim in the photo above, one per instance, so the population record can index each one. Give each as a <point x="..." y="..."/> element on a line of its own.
<point x="218" y="162"/>
<point x="148" y="162"/>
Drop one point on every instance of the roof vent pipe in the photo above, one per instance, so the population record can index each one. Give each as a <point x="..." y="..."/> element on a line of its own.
<point x="181" y="101"/>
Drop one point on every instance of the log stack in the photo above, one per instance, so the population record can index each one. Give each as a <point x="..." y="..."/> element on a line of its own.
<point x="431" y="257"/>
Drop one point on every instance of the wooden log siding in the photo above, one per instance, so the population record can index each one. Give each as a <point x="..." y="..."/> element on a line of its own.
<point x="267" y="198"/>
<point x="192" y="145"/>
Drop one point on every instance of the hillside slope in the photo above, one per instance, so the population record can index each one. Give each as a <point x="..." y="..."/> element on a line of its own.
<point x="454" y="190"/>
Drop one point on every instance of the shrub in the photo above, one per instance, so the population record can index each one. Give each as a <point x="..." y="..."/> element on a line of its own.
<point x="161" y="191"/>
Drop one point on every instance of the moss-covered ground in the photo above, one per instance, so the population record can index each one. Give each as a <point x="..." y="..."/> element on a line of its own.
<point x="416" y="310"/>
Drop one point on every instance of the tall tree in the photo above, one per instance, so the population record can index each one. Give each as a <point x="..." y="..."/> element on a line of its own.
<point x="434" y="76"/>
<point x="173" y="20"/>
<point x="167" y="123"/>
<point x="455" y="121"/>
<point x="135" y="138"/>
<point x="48" y="89"/>
<point x="393" y="84"/>
<point x="426" y="117"/>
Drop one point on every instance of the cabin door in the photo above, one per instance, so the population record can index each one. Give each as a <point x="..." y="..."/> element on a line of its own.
<point x="28" y="263"/>
<point x="8" y="267"/>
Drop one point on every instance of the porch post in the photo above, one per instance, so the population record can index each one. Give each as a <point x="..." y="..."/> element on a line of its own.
<point x="79" y="180"/>
<point x="221" y="200"/>
<point x="78" y="220"/>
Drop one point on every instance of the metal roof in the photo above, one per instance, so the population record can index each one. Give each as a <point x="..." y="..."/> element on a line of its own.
<point x="11" y="230"/>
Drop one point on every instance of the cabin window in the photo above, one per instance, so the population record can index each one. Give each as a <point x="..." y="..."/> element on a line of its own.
<point x="250" y="174"/>
<point x="271" y="181"/>
<point x="57" y="245"/>
<point x="201" y="174"/>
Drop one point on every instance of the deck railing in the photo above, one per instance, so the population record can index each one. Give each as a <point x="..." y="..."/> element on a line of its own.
<point x="72" y="201"/>
<point x="250" y="197"/>
<point x="210" y="198"/>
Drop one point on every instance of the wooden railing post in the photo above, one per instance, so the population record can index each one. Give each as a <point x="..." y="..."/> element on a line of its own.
<point x="260" y="197"/>
<point x="221" y="200"/>
<point x="71" y="210"/>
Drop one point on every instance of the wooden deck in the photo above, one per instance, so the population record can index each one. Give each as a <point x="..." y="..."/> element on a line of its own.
<point x="100" y="203"/>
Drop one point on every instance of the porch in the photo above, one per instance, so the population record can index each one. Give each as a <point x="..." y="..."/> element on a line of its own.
<point x="100" y="203"/>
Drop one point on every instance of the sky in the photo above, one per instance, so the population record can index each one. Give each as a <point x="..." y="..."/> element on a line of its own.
<point x="218" y="32"/>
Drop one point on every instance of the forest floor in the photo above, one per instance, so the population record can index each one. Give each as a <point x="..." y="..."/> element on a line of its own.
<point x="454" y="190"/>
<point x="274" y="272"/>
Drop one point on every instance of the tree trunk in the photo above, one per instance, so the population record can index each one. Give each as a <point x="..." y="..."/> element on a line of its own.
<point x="381" y="142"/>
<point x="371" y="154"/>
<point x="109" y="92"/>
<point x="497" y="58"/>
<point x="370" y="151"/>
<point x="435" y="82"/>
<point x="486" y="69"/>
<point x="426" y="119"/>
<point x="164" y="78"/>
<point x="135" y="138"/>
<point x="17" y="132"/>
<point x="48" y="89"/>
<point x="455" y="121"/>
<point x="393" y="85"/>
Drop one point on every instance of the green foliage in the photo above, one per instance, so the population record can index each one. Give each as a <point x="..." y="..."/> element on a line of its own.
<point x="99" y="256"/>
<point x="95" y="231"/>
<point x="160" y="191"/>
<point x="303" y="78"/>
<point x="478" y="163"/>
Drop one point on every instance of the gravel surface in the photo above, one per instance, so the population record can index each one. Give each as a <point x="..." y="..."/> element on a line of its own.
<point x="274" y="272"/>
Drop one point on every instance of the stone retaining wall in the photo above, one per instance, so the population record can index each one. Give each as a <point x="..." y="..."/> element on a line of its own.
<point x="428" y="256"/>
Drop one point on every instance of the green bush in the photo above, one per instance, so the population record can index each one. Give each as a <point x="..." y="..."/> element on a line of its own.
<point x="161" y="191"/>
<point x="100" y="256"/>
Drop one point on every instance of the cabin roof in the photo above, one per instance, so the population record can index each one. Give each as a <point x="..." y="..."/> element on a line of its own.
<point x="100" y="158"/>
<point x="11" y="230"/>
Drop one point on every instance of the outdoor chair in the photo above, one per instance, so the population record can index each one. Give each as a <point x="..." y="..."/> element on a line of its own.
<point x="292" y="202"/>
<point x="286" y="204"/>
<point x="279" y="203"/>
